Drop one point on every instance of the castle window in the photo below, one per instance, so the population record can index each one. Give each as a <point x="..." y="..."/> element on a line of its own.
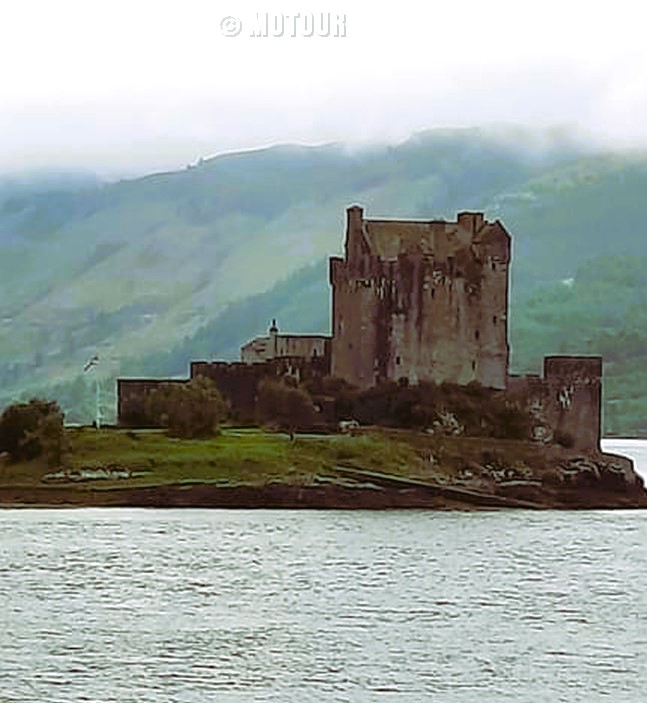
<point x="473" y="365"/>
<point x="493" y="266"/>
<point x="477" y="334"/>
<point x="397" y="361"/>
<point x="433" y="292"/>
<point x="494" y="319"/>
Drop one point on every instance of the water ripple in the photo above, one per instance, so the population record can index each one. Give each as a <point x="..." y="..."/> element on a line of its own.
<point x="298" y="606"/>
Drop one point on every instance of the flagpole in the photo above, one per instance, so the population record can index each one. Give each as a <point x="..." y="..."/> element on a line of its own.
<point x="91" y="363"/>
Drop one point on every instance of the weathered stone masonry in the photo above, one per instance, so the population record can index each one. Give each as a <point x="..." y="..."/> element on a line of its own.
<point x="424" y="301"/>
<point x="567" y="401"/>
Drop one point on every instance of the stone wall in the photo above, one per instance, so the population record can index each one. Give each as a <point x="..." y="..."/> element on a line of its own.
<point x="239" y="382"/>
<point x="566" y="401"/>
<point x="131" y="399"/>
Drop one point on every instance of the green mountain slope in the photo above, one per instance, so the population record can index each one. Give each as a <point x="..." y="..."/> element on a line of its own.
<point x="154" y="271"/>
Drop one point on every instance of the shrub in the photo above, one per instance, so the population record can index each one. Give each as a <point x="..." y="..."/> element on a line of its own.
<point x="511" y="421"/>
<point x="287" y="406"/>
<point x="29" y="430"/>
<point x="189" y="410"/>
<point x="478" y="411"/>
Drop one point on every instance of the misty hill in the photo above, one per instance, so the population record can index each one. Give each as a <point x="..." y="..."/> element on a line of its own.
<point x="154" y="271"/>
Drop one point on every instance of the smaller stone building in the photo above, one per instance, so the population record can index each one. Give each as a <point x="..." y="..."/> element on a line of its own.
<point x="277" y="346"/>
<point x="566" y="401"/>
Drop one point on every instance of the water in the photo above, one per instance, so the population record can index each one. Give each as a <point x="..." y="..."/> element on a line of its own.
<point x="635" y="449"/>
<point x="187" y="606"/>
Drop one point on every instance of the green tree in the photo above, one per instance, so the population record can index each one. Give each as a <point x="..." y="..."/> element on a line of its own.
<point x="29" y="430"/>
<point x="285" y="405"/>
<point x="189" y="410"/>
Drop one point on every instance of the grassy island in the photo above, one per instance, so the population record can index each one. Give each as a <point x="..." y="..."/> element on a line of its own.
<point x="372" y="468"/>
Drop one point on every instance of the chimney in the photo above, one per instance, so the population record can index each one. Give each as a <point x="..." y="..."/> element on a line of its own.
<point x="274" y="331"/>
<point x="354" y="224"/>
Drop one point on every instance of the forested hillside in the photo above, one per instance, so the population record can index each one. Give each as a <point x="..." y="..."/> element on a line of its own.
<point x="152" y="272"/>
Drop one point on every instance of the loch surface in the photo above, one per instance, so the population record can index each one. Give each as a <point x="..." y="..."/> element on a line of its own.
<point x="635" y="449"/>
<point x="187" y="606"/>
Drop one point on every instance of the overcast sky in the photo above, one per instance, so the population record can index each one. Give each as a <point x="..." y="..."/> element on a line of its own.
<point x="131" y="86"/>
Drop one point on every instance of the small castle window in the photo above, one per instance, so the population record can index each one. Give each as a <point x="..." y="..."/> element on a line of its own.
<point x="473" y="365"/>
<point x="397" y="361"/>
<point x="494" y="319"/>
<point x="477" y="334"/>
<point x="493" y="266"/>
<point x="433" y="292"/>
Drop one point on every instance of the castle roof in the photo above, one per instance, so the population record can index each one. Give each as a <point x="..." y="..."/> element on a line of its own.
<point x="390" y="238"/>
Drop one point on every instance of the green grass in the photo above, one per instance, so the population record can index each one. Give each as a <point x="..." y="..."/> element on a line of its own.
<point x="254" y="457"/>
<point x="250" y="458"/>
<point x="234" y="457"/>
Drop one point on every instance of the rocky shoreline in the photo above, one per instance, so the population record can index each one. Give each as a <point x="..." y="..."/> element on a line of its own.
<point x="362" y="496"/>
<point x="379" y="470"/>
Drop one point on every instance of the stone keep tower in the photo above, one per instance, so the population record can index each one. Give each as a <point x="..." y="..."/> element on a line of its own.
<point x="425" y="301"/>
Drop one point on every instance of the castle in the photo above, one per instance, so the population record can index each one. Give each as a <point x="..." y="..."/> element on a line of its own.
<point x="425" y="301"/>
<point x="411" y="301"/>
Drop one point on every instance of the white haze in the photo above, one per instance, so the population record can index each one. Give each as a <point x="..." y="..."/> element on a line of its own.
<point x="123" y="87"/>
